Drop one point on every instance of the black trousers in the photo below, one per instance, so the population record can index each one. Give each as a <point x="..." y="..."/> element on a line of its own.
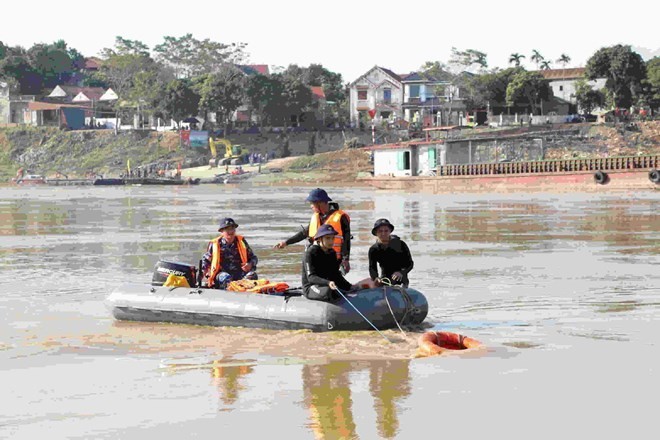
<point x="320" y="293"/>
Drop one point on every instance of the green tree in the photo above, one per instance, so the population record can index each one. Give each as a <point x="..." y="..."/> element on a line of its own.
<point x="265" y="94"/>
<point x="652" y="83"/>
<point x="564" y="60"/>
<point x="51" y="62"/>
<point x="436" y="70"/>
<point x="529" y="87"/>
<point x="545" y="65"/>
<point x="3" y="51"/>
<point x="297" y="97"/>
<point x="537" y="58"/>
<point x="191" y="57"/>
<point x="623" y="69"/>
<point x="221" y="92"/>
<point x="125" y="46"/>
<point x="515" y="59"/>
<point x="177" y="53"/>
<point x="468" y="58"/>
<point x="144" y="92"/>
<point x="177" y="100"/>
<point x="587" y="98"/>
<point x="123" y="63"/>
<point x="16" y="66"/>
<point x="490" y="88"/>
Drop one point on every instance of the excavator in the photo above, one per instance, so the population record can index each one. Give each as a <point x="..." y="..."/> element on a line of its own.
<point x="233" y="153"/>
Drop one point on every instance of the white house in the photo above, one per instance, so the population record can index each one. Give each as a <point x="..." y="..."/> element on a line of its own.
<point x="380" y="91"/>
<point x="562" y="82"/>
<point x="415" y="158"/>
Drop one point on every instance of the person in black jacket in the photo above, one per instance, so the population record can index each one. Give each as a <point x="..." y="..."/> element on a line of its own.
<point x="391" y="253"/>
<point x="320" y="273"/>
<point x="325" y="211"/>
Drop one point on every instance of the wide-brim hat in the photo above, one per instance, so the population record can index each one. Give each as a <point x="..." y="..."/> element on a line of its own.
<point x="227" y="222"/>
<point x="318" y="195"/>
<point x="324" y="230"/>
<point x="382" y="222"/>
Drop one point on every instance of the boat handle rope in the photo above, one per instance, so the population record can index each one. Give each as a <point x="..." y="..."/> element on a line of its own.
<point x="410" y="305"/>
<point x="365" y="318"/>
<point x="386" y="283"/>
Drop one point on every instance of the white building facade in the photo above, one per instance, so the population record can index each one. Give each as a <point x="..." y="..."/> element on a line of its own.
<point x="379" y="91"/>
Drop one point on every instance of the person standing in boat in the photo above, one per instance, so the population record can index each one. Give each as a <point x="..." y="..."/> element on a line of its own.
<point x="326" y="213"/>
<point x="320" y="273"/>
<point x="391" y="254"/>
<point x="228" y="257"/>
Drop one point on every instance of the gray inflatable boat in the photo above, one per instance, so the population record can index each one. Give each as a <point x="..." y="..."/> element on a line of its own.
<point x="291" y="310"/>
<point x="287" y="310"/>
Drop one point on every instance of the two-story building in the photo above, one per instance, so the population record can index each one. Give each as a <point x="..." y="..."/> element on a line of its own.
<point x="429" y="102"/>
<point x="13" y="107"/>
<point x="378" y="94"/>
<point x="563" y="83"/>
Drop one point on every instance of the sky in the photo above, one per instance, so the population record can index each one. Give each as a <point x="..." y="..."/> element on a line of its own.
<point x="347" y="37"/>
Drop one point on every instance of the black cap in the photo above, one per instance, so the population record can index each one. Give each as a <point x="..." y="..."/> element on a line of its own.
<point x="382" y="222"/>
<point x="227" y="222"/>
<point x="318" y="195"/>
<point x="324" y="230"/>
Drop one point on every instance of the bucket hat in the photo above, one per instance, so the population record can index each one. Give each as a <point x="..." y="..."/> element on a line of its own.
<point x="318" y="195"/>
<point x="227" y="222"/>
<point x="324" y="230"/>
<point x="382" y="222"/>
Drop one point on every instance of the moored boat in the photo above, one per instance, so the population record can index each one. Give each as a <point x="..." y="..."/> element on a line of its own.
<point x="29" y="179"/>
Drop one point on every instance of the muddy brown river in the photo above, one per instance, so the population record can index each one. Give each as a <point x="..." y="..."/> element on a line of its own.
<point x="563" y="289"/>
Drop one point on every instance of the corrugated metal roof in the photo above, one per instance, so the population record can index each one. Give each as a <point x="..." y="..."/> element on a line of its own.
<point x="38" y="106"/>
<point x="572" y="73"/>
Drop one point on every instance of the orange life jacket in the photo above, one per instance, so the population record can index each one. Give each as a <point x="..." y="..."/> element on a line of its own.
<point x="333" y="220"/>
<point x="257" y="286"/>
<point x="217" y="257"/>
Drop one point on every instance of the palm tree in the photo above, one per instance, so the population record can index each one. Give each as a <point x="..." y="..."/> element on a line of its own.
<point x="545" y="65"/>
<point x="564" y="59"/>
<point x="537" y="58"/>
<point x="515" y="58"/>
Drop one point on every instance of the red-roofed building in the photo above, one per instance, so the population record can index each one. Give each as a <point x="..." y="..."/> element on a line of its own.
<point x="92" y="64"/>
<point x="261" y="68"/>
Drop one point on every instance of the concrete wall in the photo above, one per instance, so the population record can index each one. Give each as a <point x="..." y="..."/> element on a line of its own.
<point x="4" y="110"/>
<point x="299" y="142"/>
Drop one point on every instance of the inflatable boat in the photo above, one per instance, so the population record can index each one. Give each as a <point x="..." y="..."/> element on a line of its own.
<point x="283" y="310"/>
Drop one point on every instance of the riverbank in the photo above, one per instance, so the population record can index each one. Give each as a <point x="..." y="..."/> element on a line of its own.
<point x="344" y="166"/>
<point x="79" y="154"/>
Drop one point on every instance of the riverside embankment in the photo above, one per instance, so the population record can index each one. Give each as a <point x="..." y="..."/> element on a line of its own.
<point x="49" y="151"/>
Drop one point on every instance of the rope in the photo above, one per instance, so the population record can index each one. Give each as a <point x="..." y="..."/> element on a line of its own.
<point x="406" y="299"/>
<point x="365" y="318"/>
<point x="389" y="283"/>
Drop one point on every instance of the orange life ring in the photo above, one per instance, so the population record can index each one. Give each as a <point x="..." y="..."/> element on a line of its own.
<point x="434" y="343"/>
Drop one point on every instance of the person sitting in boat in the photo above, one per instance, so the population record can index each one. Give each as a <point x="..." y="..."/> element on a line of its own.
<point x="228" y="257"/>
<point x="320" y="273"/>
<point x="391" y="254"/>
<point x="329" y="214"/>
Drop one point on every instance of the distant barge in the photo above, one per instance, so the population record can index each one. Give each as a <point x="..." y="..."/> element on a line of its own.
<point x="601" y="174"/>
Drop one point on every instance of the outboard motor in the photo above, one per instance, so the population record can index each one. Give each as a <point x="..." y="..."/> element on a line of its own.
<point x="163" y="269"/>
